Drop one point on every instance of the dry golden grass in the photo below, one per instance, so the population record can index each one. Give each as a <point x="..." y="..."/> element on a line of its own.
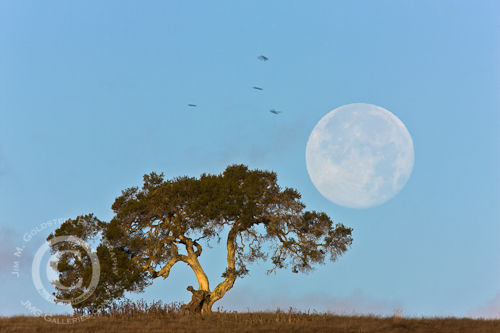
<point x="140" y="317"/>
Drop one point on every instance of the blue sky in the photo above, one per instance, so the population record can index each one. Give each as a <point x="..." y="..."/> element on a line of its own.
<point x="94" y="94"/>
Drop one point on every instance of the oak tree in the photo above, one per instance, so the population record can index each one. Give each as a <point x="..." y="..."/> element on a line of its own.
<point x="168" y="221"/>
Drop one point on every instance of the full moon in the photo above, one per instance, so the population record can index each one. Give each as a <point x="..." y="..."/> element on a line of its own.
<point x="359" y="155"/>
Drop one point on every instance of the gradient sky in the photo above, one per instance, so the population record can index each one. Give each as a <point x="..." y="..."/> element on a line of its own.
<point x="94" y="94"/>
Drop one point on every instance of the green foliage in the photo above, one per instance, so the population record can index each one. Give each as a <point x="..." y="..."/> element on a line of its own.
<point x="141" y="241"/>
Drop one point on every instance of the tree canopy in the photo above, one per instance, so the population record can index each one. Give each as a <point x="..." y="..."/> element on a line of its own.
<point x="167" y="221"/>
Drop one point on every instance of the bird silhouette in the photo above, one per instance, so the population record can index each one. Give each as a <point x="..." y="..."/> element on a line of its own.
<point x="192" y="105"/>
<point x="275" y="111"/>
<point x="257" y="88"/>
<point x="263" y="58"/>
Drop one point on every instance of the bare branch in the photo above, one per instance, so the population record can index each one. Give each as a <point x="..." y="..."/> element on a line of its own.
<point x="230" y="277"/>
<point x="198" y="250"/>
<point x="165" y="271"/>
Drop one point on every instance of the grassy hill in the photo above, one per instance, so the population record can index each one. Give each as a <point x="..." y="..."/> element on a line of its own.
<point x="242" y="322"/>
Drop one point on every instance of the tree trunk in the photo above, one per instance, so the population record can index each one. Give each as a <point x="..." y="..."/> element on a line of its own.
<point x="202" y="299"/>
<point x="223" y="287"/>
<point x="199" y="301"/>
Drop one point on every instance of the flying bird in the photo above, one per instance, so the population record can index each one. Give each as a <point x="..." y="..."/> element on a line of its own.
<point x="275" y="111"/>
<point x="192" y="105"/>
<point x="257" y="88"/>
<point x="263" y="58"/>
